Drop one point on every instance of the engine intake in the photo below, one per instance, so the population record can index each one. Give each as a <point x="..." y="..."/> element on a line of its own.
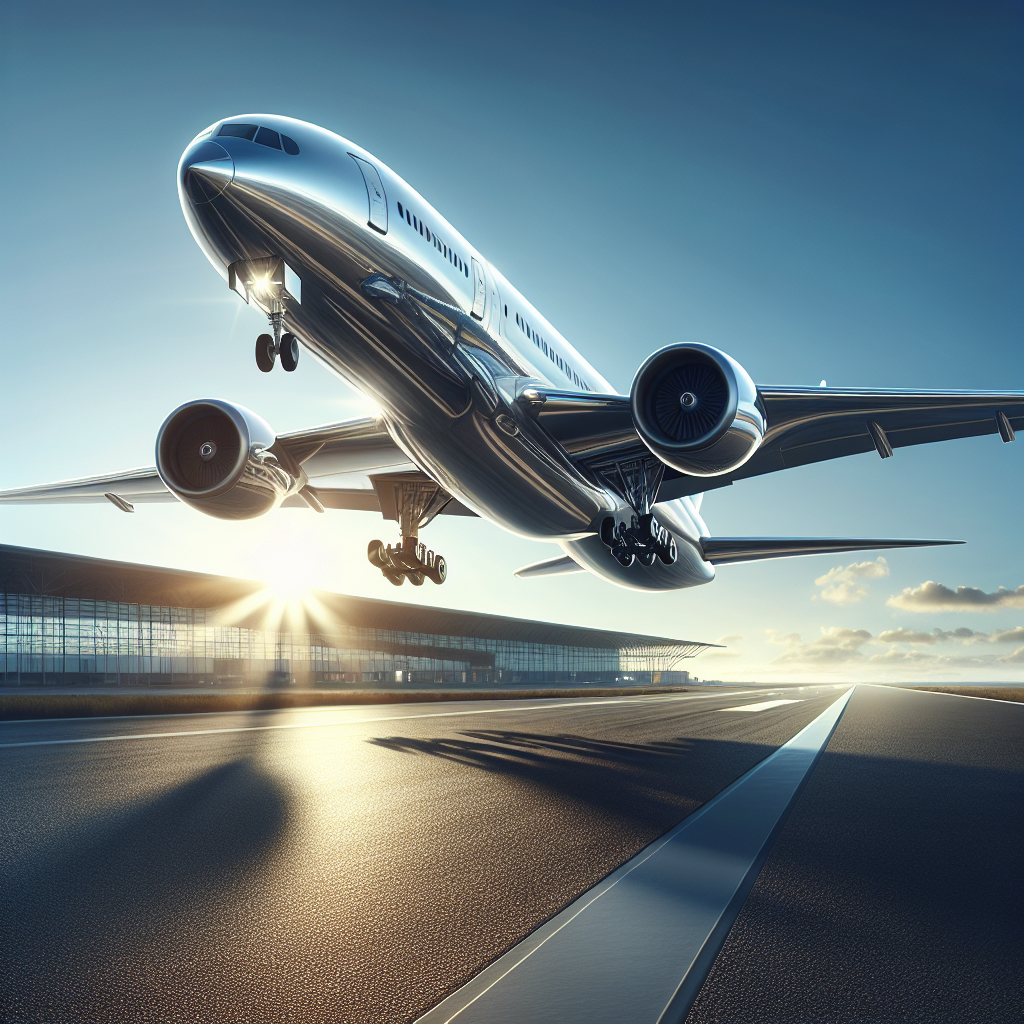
<point x="216" y="457"/>
<point x="696" y="409"/>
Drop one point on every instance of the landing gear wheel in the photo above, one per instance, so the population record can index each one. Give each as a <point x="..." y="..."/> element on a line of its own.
<point x="647" y="558"/>
<point x="395" y="578"/>
<point x="415" y="578"/>
<point x="669" y="554"/>
<point x="440" y="571"/>
<point x="376" y="554"/>
<point x="265" y="352"/>
<point x="608" y="531"/>
<point x="289" y="352"/>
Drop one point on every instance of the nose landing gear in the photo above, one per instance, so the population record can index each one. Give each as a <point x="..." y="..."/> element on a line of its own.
<point x="413" y="500"/>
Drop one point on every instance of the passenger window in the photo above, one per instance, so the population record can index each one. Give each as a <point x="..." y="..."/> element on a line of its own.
<point x="238" y="131"/>
<point x="268" y="137"/>
<point x="290" y="146"/>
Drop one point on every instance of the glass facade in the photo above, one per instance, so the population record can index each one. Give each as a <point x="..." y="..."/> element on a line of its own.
<point x="59" y="639"/>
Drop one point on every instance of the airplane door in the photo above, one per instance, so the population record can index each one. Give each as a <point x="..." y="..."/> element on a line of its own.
<point x="479" y="291"/>
<point x="375" y="193"/>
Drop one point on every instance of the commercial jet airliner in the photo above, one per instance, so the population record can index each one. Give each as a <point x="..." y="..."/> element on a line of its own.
<point x="484" y="408"/>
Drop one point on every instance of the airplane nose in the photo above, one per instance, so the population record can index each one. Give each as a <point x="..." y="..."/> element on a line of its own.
<point x="206" y="171"/>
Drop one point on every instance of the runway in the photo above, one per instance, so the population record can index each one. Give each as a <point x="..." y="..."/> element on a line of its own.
<point x="363" y="864"/>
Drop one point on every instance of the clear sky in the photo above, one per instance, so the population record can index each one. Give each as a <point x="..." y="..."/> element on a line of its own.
<point x="826" y="191"/>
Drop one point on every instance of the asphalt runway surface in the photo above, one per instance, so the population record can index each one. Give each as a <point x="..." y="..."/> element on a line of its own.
<point x="360" y="864"/>
<point x="895" y="892"/>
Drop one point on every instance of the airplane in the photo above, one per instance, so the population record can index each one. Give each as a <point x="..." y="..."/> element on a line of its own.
<point x="484" y="408"/>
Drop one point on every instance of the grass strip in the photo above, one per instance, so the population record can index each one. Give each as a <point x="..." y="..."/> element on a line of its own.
<point x="16" y="706"/>
<point x="1010" y="693"/>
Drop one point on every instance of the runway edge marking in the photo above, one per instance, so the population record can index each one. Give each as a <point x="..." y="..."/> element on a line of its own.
<point x="639" y="945"/>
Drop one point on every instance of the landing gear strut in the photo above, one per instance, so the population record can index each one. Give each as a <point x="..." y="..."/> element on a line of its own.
<point x="417" y="500"/>
<point x="644" y="539"/>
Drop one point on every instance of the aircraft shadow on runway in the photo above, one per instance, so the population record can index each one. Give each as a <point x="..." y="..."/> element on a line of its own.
<point x="655" y="784"/>
<point x="108" y="881"/>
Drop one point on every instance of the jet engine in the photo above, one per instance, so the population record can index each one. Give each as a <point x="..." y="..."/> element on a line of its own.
<point x="696" y="409"/>
<point x="217" y="457"/>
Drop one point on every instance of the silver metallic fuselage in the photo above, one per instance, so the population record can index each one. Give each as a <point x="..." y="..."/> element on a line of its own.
<point x="446" y="364"/>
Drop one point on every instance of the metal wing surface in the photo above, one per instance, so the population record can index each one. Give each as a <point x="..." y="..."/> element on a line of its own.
<point x="352" y="447"/>
<point x="804" y="425"/>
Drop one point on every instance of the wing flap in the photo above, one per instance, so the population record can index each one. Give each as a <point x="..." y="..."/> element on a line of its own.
<point x="731" y="550"/>
<point x="352" y="446"/>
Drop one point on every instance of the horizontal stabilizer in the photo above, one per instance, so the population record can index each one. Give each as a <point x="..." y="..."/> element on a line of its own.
<point x="552" y="567"/>
<point x="728" y="550"/>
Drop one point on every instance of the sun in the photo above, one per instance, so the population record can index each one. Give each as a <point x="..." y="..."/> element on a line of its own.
<point x="288" y="575"/>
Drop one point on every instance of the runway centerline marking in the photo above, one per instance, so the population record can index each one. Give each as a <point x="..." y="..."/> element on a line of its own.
<point x="350" y="721"/>
<point x="763" y="705"/>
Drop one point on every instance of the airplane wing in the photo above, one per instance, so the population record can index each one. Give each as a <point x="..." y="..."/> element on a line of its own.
<point x="358" y="446"/>
<point x="804" y="425"/>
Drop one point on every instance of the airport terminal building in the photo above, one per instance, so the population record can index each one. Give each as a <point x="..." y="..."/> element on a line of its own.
<point x="71" y="620"/>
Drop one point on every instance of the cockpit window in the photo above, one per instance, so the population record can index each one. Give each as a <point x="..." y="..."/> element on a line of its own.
<point x="239" y="131"/>
<point x="268" y="137"/>
<point x="264" y="136"/>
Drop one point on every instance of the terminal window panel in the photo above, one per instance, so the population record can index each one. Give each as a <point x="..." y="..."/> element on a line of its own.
<point x="47" y="635"/>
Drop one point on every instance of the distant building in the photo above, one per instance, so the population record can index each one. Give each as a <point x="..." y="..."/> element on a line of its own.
<point x="68" y="620"/>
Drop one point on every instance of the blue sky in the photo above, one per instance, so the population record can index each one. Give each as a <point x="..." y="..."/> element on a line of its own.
<point x="822" y="190"/>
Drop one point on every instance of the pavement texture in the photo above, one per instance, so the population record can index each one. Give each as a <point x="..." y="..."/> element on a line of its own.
<point x="332" y="865"/>
<point x="895" y="891"/>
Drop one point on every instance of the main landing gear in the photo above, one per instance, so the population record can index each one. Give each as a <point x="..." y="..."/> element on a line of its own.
<point x="416" y="501"/>
<point x="644" y="539"/>
<point x="270" y="346"/>
<point x="408" y="560"/>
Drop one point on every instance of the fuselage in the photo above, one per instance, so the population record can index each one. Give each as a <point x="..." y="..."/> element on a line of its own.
<point x="445" y="358"/>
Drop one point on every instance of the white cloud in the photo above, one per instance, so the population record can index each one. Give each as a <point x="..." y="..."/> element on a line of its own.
<point x="844" y="585"/>
<point x="841" y="649"/>
<point x="936" y="597"/>
<point x="962" y="635"/>
<point x="837" y="645"/>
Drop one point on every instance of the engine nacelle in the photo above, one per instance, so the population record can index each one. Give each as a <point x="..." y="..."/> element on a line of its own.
<point x="215" y="457"/>
<point x="696" y="409"/>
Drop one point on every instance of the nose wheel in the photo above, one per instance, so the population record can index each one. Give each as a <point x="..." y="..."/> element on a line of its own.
<point x="270" y="346"/>
<point x="265" y="352"/>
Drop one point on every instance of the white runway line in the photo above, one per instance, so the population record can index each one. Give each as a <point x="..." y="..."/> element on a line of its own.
<point x="763" y="705"/>
<point x="346" y="721"/>
<point x="638" y="946"/>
